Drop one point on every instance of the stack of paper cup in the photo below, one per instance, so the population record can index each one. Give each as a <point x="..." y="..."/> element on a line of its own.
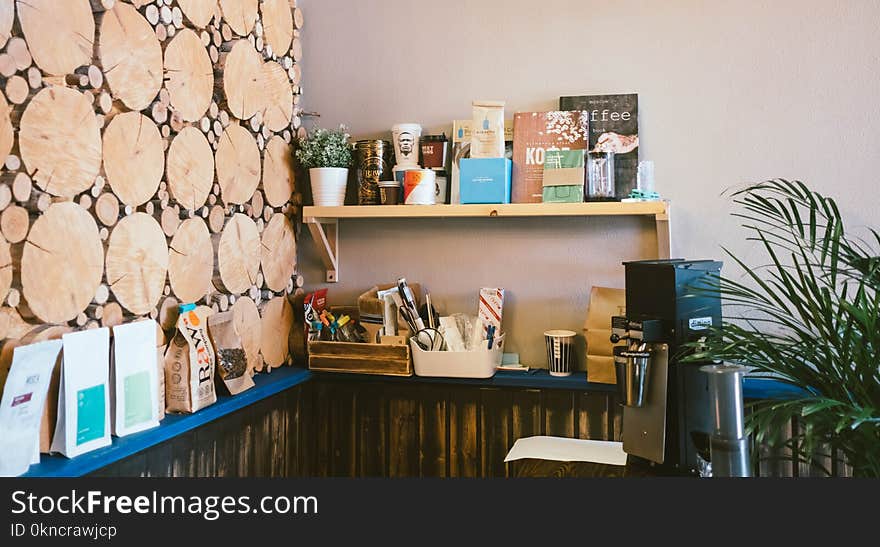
<point x="419" y="187"/>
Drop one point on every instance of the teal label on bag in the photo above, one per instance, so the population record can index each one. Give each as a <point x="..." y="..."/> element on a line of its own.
<point x="138" y="405"/>
<point x="90" y="414"/>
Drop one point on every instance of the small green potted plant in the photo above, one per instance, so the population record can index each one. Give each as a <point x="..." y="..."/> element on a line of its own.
<point x="327" y="154"/>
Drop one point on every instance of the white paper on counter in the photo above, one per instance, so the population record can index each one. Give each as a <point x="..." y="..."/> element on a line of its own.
<point x="567" y="450"/>
<point x="21" y="408"/>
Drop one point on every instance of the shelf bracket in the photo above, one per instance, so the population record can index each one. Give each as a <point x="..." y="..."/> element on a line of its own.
<point x="325" y="233"/>
<point x="664" y="234"/>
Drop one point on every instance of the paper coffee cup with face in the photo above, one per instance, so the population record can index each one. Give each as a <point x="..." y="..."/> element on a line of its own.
<point x="406" y="143"/>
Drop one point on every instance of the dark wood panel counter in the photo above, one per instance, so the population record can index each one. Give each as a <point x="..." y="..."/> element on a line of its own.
<point x="302" y="423"/>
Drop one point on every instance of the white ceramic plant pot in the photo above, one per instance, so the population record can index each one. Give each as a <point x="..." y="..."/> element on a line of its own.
<point x="328" y="185"/>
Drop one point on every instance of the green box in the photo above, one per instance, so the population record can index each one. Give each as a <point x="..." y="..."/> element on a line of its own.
<point x="563" y="176"/>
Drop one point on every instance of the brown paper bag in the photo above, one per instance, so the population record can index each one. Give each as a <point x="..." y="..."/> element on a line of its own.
<point x="190" y="364"/>
<point x="604" y="304"/>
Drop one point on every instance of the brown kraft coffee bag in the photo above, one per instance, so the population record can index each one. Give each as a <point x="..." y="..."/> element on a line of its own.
<point x="232" y="360"/>
<point x="189" y="363"/>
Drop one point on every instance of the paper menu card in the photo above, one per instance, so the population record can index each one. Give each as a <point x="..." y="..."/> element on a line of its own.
<point x="84" y="395"/>
<point x="21" y="408"/>
<point x="134" y="378"/>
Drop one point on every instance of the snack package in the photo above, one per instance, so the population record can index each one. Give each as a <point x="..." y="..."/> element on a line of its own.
<point x="190" y="362"/>
<point x="231" y="358"/>
<point x="491" y="307"/>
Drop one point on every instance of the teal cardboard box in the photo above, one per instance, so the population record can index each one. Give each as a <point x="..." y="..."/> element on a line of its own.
<point x="485" y="180"/>
<point x="563" y="176"/>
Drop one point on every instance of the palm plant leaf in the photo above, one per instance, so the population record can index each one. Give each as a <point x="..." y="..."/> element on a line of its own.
<point x="809" y="316"/>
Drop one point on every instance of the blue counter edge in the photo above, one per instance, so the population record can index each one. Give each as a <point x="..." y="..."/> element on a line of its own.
<point x="753" y="388"/>
<point x="284" y="378"/>
<point x="267" y="384"/>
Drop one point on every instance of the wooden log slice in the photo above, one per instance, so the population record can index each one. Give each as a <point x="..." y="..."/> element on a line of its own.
<point x="7" y="16"/>
<point x="168" y="313"/>
<point x="7" y="65"/>
<point x="170" y="220"/>
<point x="131" y="56"/>
<point x="60" y="35"/>
<point x="277" y="320"/>
<point x="161" y="31"/>
<point x="240" y="14"/>
<point x="189" y="75"/>
<point x="107" y="209"/>
<point x="5" y="269"/>
<point x="257" y="203"/>
<point x="137" y="261"/>
<point x="296" y="50"/>
<point x="238" y="254"/>
<point x="12" y="326"/>
<point x="17" y="90"/>
<point x="277" y="97"/>
<point x="85" y="201"/>
<point x="199" y="12"/>
<point x="133" y="157"/>
<point x="277" y="24"/>
<point x="60" y="141"/>
<point x="278" y="173"/>
<point x="278" y="252"/>
<point x="34" y="77"/>
<point x="62" y="263"/>
<point x="242" y="80"/>
<point x="102" y="294"/>
<point x="248" y="326"/>
<point x="22" y="186"/>
<point x="238" y="165"/>
<point x="14" y="223"/>
<point x="17" y="48"/>
<point x="96" y="77"/>
<point x="216" y="218"/>
<point x="7" y="137"/>
<point x="191" y="260"/>
<point x="298" y="18"/>
<point x="190" y="170"/>
<point x="112" y="315"/>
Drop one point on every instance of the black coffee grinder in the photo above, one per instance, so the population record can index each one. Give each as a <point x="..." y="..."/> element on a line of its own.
<point x="667" y="418"/>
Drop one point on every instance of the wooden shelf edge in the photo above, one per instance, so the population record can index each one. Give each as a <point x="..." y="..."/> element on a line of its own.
<point x="646" y="208"/>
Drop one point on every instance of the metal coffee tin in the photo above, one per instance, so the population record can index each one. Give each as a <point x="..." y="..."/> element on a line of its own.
<point x="373" y="164"/>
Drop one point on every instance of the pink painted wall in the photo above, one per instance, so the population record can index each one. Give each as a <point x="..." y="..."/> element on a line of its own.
<point x="730" y="92"/>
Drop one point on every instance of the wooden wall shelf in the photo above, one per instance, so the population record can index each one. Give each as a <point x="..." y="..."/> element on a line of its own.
<point x="323" y="222"/>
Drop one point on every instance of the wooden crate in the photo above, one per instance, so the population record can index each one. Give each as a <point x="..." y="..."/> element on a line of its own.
<point x="354" y="358"/>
